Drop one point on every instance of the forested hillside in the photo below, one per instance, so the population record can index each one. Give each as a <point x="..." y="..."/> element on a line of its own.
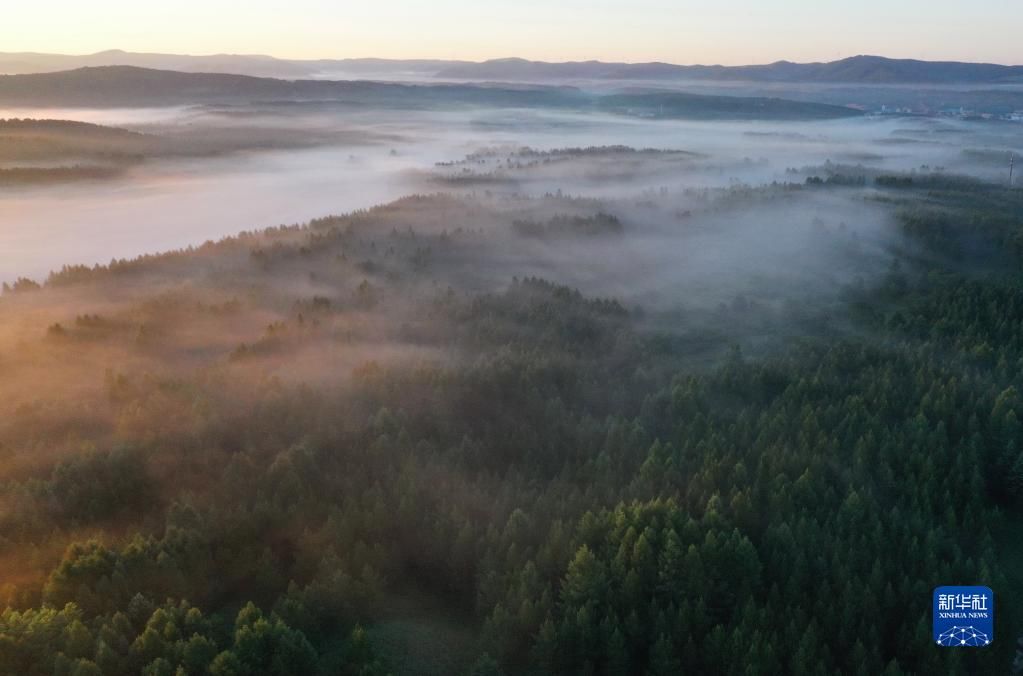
<point x="329" y="448"/>
<point x="128" y="86"/>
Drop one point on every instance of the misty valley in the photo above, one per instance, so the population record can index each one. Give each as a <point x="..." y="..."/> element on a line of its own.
<point x="314" y="377"/>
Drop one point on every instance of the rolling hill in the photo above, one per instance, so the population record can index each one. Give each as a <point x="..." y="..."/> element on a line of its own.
<point x="857" y="69"/>
<point x="853" y="70"/>
<point x="125" y="86"/>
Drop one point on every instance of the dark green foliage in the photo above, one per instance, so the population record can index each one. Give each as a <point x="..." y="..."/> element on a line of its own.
<point x="569" y="488"/>
<point x="172" y="639"/>
<point x="576" y="226"/>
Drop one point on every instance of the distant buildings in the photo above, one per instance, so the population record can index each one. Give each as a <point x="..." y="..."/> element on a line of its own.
<point x="955" y="112"/>
<point x="962" y="113"/>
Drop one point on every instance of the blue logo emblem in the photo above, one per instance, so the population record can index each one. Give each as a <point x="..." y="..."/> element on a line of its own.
<point x="964" y="617"/>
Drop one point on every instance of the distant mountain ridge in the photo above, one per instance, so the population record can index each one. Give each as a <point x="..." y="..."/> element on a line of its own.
<point x="856" y="69"/>
<point x="265" y="66"/>
<point x="256" y="65"/>
<point x="853" y="70"/>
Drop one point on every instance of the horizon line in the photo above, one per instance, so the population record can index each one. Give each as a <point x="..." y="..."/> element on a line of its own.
<point x="260" y="55"/>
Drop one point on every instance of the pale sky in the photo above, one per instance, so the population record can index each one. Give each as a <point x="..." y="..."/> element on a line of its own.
<point x="679" y="31"/>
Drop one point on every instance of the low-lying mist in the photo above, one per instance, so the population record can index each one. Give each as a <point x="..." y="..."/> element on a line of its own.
<point x="215" y="171"/>
<point x="716" y="232"/>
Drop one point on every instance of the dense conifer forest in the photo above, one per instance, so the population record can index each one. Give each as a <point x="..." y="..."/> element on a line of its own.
<point x="351" y="448"/>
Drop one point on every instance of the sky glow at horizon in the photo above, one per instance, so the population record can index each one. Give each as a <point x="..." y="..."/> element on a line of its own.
<point x="680" y="31"/>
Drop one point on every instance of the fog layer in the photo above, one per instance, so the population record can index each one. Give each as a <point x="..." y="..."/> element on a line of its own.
<point x="286" y="164"/>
